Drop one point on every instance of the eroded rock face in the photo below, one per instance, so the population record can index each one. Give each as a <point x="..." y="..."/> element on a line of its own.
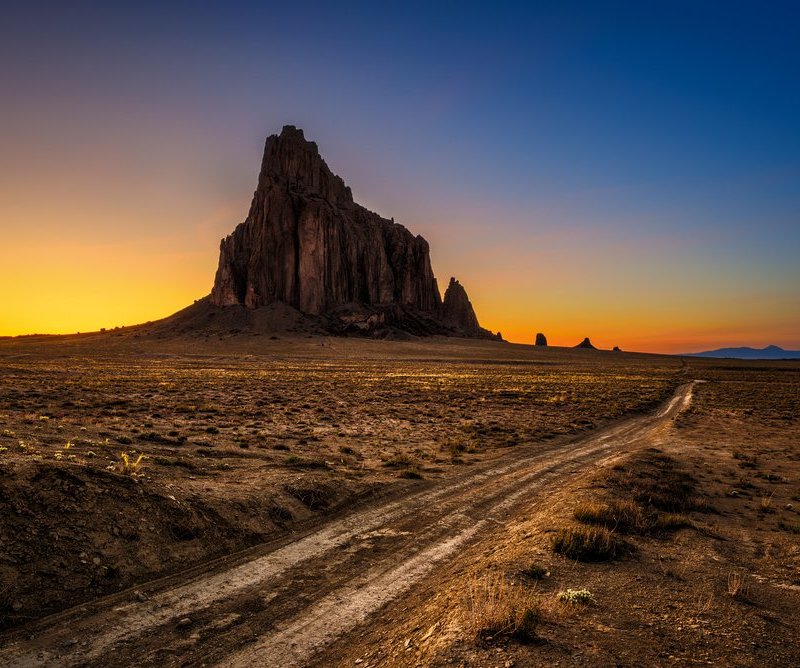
<point x="457" y="309"/>
<point x="586" y="343"/>
<point x="541" y="339"/>
<point x="306" y="243"/>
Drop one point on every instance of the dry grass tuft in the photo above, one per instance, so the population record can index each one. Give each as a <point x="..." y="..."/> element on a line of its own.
<point x="587" y="543"/>
<point x="670" y="522"/>
<point x="128" y="465"/>
<point x="496" y="606"/>
<point x="737" y="585"/>
<point x="618" y="515"/>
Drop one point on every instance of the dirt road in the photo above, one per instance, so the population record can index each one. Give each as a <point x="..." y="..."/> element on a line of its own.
<point x="282" y="603"/>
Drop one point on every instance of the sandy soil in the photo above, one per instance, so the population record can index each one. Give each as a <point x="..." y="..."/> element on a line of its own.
<point x="717" y="584"/>
<point x="301" y="596"/>
<point x="241" y="443"/>
<point x="374" y="481"/>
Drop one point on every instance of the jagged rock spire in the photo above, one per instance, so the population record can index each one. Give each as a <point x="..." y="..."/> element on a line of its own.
<point x="307" y="244"/>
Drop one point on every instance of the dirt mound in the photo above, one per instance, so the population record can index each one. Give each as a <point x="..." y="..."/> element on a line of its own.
<point x="105" y="532"/>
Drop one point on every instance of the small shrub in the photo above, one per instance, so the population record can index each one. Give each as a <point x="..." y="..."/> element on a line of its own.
<point x="622" y="516"/>
<point x="497" y="607"/>
<point x="577" y="597"/>
<point x="746" y="461"/>
<point x="587" y="544"/>
<point x="411" y="474"/>
<point x="129" y="466"/>
<point x="737" y="585"/>
<point x="399" y="462"/>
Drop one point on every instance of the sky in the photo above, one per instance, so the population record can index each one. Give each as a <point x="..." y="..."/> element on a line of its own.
<point x="624" y="171"/>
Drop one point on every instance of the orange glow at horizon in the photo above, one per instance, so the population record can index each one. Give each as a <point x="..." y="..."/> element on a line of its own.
<point x="101" y="261"/>
<point x="85" y="287"/>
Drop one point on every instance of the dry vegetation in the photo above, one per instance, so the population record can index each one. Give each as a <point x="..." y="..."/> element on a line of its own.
<point x="687" y="554"/>
<point x="122" y="460"/>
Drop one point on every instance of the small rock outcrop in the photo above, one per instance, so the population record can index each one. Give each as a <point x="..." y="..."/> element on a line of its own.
<point x="457" y="309"/>
<point x="307" y="244"/>
<point x="586" y="343"/>
<point x="616" y="349"/>
<point x="541" y="340"/>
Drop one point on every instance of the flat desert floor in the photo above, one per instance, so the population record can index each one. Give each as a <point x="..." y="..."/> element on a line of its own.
<point x="321" y="501"/>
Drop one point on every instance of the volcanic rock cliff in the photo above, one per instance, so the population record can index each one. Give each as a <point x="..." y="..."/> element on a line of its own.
<point x="307" y="244"/>
<point x="457" y="309"/>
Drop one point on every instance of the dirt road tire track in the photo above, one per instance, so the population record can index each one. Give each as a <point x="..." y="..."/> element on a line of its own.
<point x="286" y="602"/>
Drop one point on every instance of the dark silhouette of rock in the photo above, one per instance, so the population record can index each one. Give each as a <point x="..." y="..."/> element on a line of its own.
<point x="457" y="309"/>
<point x="541" y="339"/>
<point x="586" y="343"/>
<point x="616" y="349"/>
<point x="307" y="244"/>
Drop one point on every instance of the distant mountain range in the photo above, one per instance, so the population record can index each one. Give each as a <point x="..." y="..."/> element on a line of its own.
<point x="745" y="353"/>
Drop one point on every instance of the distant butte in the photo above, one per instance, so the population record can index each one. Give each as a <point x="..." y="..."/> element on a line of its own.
<point x="586" y="343"/>
<point x="308" y="258"/>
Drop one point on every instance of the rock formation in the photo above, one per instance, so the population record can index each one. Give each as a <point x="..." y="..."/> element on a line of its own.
<point x="457" y="309"/>
<point x="307" y="244"/>
<point x="586" y="343"/>
<point x="616" y="349"/>
<point x="541" y="339"/>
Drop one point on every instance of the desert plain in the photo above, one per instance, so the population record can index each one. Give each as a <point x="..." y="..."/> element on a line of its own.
<point x="311" y="500"/>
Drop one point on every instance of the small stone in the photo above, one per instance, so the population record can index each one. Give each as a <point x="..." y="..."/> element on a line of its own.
<point x="184" y="623"/>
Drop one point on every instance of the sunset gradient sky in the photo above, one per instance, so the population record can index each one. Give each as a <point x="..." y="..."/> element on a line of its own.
<point x="628" y="172"/>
